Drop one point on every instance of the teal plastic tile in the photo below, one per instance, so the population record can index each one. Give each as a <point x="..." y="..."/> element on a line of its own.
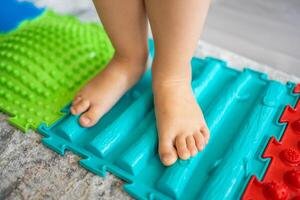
<point x="242" y="109"/>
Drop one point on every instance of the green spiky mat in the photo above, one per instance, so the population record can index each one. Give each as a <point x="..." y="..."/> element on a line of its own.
<point x="44" y="62"/>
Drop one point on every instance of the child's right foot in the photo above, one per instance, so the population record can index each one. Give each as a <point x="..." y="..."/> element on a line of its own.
<point x="182" y="129"/>
<point x="105" y="89"/>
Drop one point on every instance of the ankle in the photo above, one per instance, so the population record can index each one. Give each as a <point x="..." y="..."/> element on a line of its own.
<point x="170" y="83"/>
<point x="167" y="75"/>
<point x="136" y="60"/>
<point x="127" y="72"/>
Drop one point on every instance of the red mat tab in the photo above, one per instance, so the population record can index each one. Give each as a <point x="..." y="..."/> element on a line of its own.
<point x="297" y="88"/>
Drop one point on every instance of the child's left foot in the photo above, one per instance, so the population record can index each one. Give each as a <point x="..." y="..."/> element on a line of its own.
<point x="181" y="125"/>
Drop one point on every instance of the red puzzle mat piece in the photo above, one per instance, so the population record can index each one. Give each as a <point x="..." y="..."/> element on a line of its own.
<point x="297" y="88"/>
<point x="282" y="178"/>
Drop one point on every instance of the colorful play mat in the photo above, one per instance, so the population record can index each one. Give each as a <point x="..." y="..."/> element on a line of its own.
<point x="254" y="149"/>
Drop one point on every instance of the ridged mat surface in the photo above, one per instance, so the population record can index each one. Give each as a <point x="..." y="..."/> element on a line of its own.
<point x="44" y="62"/>
<point x="242" y="109"/>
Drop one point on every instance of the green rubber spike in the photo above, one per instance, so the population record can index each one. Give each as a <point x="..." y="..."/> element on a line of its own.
<point x="44" y="62"/>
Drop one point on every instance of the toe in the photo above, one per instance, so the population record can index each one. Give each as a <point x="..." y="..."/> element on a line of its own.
<point x="199" y="141"/>
<point x="167" y="152"/>
<point x="205" y="132"/>
<point x="76" y="100"/>
<point x="90" y="117"/>
<point x="191" y="145"/>
<point x="81" y="106"/>
<point x="181" y="147"/>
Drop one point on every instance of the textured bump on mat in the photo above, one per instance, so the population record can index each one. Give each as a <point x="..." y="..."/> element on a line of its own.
<point x="282" y="178"/>
<point x="44" y="62"/>
<point x="241" y="108"/>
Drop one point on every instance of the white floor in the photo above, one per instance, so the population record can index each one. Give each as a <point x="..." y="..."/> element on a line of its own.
<point x="267" y="31"/>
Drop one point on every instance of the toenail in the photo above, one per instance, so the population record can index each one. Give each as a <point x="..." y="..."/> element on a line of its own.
<point x="194" y="153"/>
<point x="85" y="120"/>
<point x="202" y="147"/>
<point x="206" y="142"/>
<point x="76" y="100"/>
<point x="166" y="156"/>
<point x="185" y="155"/>
<point x="167" y="159"/>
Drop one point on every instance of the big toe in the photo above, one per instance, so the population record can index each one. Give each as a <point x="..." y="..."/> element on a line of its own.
<point x="167" y="152"/>
<point x="79" y="106"/>
<point x="90" y="117"/>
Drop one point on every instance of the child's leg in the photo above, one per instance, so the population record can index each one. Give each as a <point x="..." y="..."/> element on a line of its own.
<point x="126" y="25"/>
<point x="176" y="27"/>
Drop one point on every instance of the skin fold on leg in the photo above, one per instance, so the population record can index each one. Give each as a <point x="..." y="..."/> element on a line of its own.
<point x="176" y="28"/>
<point x="126" y="25"/>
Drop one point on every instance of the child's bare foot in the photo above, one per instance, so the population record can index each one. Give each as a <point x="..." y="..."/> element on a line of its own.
<point x="181" y="125"/>
<point x="105" y="89"/>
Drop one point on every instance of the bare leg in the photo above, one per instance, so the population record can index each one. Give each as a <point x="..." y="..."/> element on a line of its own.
<point x="176" y="27"/>
<point x="126" y="25"/>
